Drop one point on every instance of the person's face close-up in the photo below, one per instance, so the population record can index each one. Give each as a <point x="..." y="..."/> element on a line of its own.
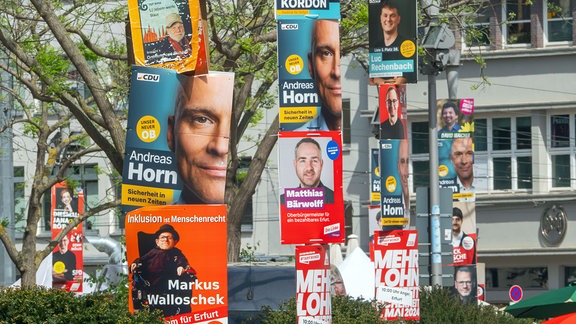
<point x="462" y="156"/>
<point x="176" y="31"/>
<point x="324" y="65"/>
<point x="308" y="165"/>
<point x="66" y="198"/>
<point x="463" y="283"/>
<point x="392" y="104"/>
<point x="199" y="137"/>
<point x="165" y="241"/>
<point x="389" y="20"/>
<point x="64" y="244"/>
<point x="456" y="223"/>
<point x="403" y="161"/>
<point x="449" y="116"/>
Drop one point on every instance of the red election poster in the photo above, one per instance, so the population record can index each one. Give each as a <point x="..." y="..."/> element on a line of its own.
<point x="177" y="262"/>
<point x="465" y="253"/>
<point x="313" y="301"/>
<point x="311" y="203"/>
<point x="67" y="263"/>
<point x="396" y="265"/>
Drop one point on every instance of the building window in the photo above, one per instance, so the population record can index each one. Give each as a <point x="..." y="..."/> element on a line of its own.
<point x="523" y="133"/>
<point x="346" y="129"/>
<point x="517" y="27"/>
<point x="560" y="20"/>
<point x="524" y="172"/>
<point x="420" y="141"/>
<point x="19" y="199"/>
<point x="560" y="130"/>
<point x="421" y="174"/>
<point x="560" y="171"/>
<point x="480" y="135"/>
<point x="246" y="224"/>
<point x="504" y="278"/>
<point x="502" y="173"/>
<point x="569" y="275"/>
<point x="477" y="32"/>
<point x="501" y="134"/>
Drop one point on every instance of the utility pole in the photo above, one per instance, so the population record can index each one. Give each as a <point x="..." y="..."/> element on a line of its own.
<point x="439" y="38"/>
<point x="8" y="275"/>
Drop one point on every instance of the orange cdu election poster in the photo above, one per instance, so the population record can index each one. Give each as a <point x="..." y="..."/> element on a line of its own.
<point x="170" y="34"/>
<point x="67" y="263"/>
<point x="177" y="262"/>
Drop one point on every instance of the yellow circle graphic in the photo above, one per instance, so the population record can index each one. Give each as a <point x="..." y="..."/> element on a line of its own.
<point x="442" y="170"/>
<point x="59" y="267"/>
<point x="407" y="48"/>
<point x="148" y="129"/>
<point x="294" y="64"/>
<point x="377" y="171"/>
<point x="391" y="184"/>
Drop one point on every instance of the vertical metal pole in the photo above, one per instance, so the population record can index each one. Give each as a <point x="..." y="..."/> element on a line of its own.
<point x="435" y="232"/>
<point x="8" y="273"/>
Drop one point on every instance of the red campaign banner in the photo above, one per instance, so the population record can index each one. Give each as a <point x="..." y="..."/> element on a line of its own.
<point x="313" y="301"/>
<point x="311" y="202"/>
<point x="396" y="274"/>
<point x="178" y="262"/>
<point x="67" y="257"/>
<point x="465" y="252"/>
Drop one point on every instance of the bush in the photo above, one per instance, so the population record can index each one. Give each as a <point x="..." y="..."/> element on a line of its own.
<point x="40" y="305"/>
<point x="437" y="305"/>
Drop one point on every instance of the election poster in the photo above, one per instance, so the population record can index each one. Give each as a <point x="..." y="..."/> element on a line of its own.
<point x="67" y="257"/>
<point x="396" y="274"/>
<point x="297" y="9"/>
<point x="171" y="34"/>
<point x="176" y="152"/>
<point x="311" y="202"/>
<point x="393" y="54"/>
<point x="395" y="193"/>
<point x="393" y="111"/>
<point x="313" y="299"/>
<point x="463" y="233"/>
<point x="375" y="176"/>
<point x="465" y="284"/>
<point x="177" y="262"/>
<point x="309" y="81"/>
<point x="456" y="147"/>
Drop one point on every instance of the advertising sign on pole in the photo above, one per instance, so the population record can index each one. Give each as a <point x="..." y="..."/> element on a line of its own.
<point x="395" y="198"/>
<point x="393" y="54"/>
<point x="170" y="34"/>
<point x="177" y="138"/>
<point x="177" y="262"/>
<point x="67" y="257"/>
<point x="313" y="301"/>
<point x="311" y="202"/>
<point x="396" y="274"/>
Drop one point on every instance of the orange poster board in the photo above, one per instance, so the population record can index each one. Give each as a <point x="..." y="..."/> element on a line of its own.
<point x="177" y="262"/>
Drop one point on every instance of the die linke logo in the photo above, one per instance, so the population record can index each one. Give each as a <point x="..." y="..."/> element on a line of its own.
<point x="289" y="26"/>
<point x="148" y="77"/>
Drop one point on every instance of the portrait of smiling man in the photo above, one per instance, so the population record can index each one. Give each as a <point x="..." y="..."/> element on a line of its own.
<point x="176" y="42"/>
<point x="198" y="134"/>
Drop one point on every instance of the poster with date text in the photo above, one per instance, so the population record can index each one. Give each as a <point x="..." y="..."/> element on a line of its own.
<point x="396" y="274"/>
<point x="313" y="301"/>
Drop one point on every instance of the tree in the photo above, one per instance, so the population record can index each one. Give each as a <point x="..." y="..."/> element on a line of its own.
<point x="45" y="44"/>
<point x="45" y="41"/>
